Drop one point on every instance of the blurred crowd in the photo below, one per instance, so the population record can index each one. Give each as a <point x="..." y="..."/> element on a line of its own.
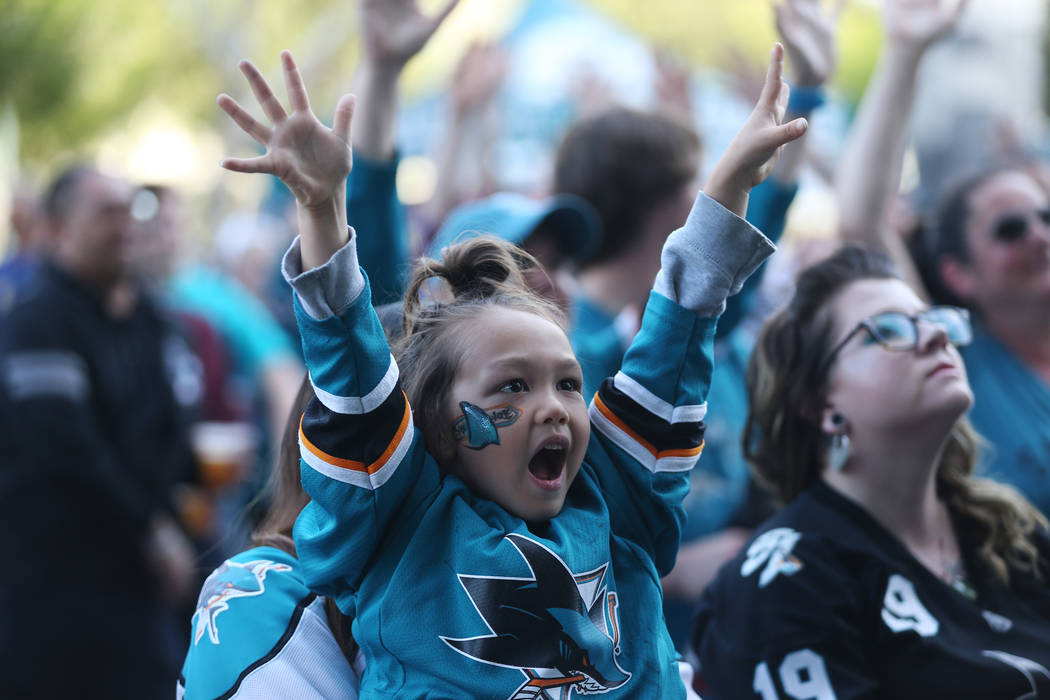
<point x="151" y="396"/>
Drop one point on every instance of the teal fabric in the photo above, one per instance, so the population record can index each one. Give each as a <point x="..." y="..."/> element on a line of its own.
<point x="719" y="482"/>
<point x="767" y="211"/>
<point x="244" y="322"/>
<point x="1012" y="411"/>
<point x="402" y="548"/>
<point x="372" y="206"/>
<point x="243" y="612"/>
<point x="598" y="346"/>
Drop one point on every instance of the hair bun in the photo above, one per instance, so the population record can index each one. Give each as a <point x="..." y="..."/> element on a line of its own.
<point x="475" y="269"/>
<point x="482" y="267"/>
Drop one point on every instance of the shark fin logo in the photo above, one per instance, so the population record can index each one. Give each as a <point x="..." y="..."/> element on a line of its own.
<point x="229" y="581"/>
<point x="559" y="629"/>
<point x="478" y="426"/>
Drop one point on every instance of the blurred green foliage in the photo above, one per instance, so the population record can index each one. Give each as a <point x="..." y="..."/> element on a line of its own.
<point x="74" y="69"/>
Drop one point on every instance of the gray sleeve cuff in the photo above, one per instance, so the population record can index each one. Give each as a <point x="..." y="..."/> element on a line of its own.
<point x="327" y="290"/>
<point x="709" y="258"/>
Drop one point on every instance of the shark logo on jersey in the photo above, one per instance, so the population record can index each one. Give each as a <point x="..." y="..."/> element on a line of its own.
<point x="1027" y="667"/>
<point x="559" y="629"/>
<point x="773" y="549"/>
<point x="229" y="581"/>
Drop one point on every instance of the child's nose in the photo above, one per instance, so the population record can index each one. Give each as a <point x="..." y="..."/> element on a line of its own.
<point x="552" y="409"/>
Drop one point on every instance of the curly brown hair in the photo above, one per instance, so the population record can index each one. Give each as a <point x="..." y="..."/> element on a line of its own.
<point x="787" y="386"/>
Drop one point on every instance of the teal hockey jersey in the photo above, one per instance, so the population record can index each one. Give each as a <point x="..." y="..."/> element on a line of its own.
<point x="258" y="631"/>
<point x="451" y="595"/>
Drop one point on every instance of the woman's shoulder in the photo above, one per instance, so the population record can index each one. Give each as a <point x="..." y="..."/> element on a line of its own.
<point x="253" y="606"/>
<point x="812" y="556"/>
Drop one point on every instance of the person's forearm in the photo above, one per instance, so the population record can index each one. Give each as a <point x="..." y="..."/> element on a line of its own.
<point x="460" y="133"/>
<point x="869" y="173"/>
<point x="373" y="133"/>
<point x="323" y="229"/>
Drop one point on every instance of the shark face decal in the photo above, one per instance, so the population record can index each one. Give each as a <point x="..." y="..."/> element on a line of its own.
<point x="229" y="581"/>
<point x="478" y="426"/>
<point x="559" y="629"/>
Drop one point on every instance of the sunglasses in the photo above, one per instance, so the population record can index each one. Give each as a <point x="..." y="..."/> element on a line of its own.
<point x="898" y="331"/>
<point x="1015" y="227"/>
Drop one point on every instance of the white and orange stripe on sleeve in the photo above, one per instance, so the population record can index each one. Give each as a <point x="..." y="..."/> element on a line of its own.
<point x="655" y="460"/>
<point x="371" y="475"/>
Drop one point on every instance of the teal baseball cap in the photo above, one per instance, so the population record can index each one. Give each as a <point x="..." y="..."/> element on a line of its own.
<point x="513" y="217"/>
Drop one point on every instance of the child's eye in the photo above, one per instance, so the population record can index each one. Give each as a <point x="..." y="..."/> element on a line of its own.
<point x="514" y="386"/>
<point x="569" y="385"/>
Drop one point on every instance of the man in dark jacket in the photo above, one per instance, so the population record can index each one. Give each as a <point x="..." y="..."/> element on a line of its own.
<point x="92" y="439"/>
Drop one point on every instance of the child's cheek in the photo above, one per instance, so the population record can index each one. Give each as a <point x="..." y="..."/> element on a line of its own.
<point x="477" y="428"/>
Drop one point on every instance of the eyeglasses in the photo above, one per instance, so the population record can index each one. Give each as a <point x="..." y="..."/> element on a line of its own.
<point x="898" y="331"/>
<point x="1015" y="227"/>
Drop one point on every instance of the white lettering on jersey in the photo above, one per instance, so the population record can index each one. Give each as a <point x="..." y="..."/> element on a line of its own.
<point x="902" y="610"/>
<point x="997" y="622"/>
<point x="1027" y="667"/>
<point x="763" y="683"/>
<point x="774" y="549"/>
<point x="802" y="674"/>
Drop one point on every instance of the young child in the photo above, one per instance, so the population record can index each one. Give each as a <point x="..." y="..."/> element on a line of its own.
<point x="484" y="541"/>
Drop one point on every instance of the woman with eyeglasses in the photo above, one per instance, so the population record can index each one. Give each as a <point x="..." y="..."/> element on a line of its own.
<point x="987" y="248"/>
<point x="891" y="572"/>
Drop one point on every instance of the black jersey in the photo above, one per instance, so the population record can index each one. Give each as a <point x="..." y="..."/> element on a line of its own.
<point x="825" y="603"/>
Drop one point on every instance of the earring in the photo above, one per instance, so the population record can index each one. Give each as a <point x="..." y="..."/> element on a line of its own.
<point x="838" y="453"/>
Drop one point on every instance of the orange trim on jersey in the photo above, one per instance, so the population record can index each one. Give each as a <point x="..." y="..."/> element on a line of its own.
<point x="650" y="448"/>
<point x="554" y="682"/>
<point x="355" y="465"/>
<point x="691" y="452"/>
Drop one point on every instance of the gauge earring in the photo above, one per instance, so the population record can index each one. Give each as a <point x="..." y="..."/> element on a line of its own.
<point x="838" y="452"/>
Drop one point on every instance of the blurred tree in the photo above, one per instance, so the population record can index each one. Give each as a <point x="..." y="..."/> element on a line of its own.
<point x="76" y="68"/>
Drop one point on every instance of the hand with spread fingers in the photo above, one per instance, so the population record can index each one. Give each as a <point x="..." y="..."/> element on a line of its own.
<point x="754" y="150"/>
<point x="808" y="33"/>
<point x="308" y="157"/>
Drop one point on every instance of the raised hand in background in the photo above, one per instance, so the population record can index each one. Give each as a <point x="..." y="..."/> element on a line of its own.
<point x="808" y="32"/>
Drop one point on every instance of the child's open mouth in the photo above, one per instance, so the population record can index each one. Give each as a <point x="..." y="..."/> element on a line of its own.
<point x="547" y="466"/>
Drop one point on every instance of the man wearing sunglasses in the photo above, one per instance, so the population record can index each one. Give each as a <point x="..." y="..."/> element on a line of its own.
<point x="990" y="251"/>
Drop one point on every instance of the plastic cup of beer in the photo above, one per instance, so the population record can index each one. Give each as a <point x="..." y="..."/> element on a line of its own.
<point x="224" y="451"/>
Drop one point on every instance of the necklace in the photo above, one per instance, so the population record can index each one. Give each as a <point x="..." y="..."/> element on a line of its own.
<point x="952" y="571"/>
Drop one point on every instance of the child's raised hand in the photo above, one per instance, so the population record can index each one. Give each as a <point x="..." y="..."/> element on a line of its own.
<point x="311" y="159"/>
<point x="754" y="150"/>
